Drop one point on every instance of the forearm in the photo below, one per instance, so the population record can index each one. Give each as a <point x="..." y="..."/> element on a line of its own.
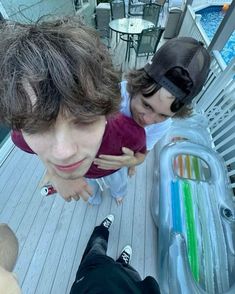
<point x="127" y="159"/>
<point x="138" y="159"/>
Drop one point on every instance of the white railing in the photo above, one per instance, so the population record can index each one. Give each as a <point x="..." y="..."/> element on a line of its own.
<point x="191" y="26"/>
<point x="217" y="99"/>
<point x="198" y="3"/>
<point x="217" y="103"/>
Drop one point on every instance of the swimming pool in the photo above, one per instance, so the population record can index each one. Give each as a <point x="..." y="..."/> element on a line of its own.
<point x="210" y="21"/>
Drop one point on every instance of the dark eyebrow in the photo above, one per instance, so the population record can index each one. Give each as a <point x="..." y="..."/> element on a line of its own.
<point x="145" y="102"/>
<point x="84" y="119"/>
<point x="165" y="115"/>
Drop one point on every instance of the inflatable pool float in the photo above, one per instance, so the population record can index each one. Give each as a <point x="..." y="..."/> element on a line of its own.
<point x="195" y="217"/>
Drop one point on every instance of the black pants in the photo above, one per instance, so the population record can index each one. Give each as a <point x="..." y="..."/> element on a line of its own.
<point x="97" y="245"/>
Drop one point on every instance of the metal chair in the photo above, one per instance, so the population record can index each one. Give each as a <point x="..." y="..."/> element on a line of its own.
<point x="135" y="8"/>
<point x="148" y="42"/>
<point x="117" y="9"/>
<point x="152" y="12"/>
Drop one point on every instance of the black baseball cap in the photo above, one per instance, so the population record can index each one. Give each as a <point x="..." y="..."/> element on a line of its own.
<point x="183" y="54"/>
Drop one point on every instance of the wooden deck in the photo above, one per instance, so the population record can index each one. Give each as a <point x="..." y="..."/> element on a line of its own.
<point x="53" y="234"/>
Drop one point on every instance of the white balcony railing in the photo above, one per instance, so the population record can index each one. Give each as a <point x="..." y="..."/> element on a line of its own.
<point x="217" y="99"/>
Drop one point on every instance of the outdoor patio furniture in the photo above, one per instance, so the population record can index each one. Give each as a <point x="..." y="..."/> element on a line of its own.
<point x="147" y="42"/>
<point x="135" y="8"/>
<point x="151" y="13"/>
<point x="129" y="27"/>
<point x="117" y="9"/>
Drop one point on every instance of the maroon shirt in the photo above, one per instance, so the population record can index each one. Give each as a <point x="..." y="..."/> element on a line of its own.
<point x="120" y="131"/>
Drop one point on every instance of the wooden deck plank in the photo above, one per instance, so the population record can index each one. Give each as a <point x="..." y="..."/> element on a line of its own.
<point x="56" y="249"/>
<point x="30" y="191"/>
<point x="114" y="235"/>
<point x="32" y="237"/>
<point x="86" y="230"/>
<point x="40" y="251"/>
<point x="19" y="188"/>
<point x="10" y="177"/>
<point x="138" y="231"/>
<point x="67" y="258"/>
<point x="126" y="224"/>
<point x="150" y="265"/>
<point x="9" y="158"/>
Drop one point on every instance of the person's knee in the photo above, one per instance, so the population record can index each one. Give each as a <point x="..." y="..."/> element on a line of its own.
<point x="8" y="248"/>
<point x="8" y="255"/>
<point x="8" y="282"/>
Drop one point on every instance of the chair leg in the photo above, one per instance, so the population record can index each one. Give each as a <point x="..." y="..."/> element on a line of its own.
<point x="130" y="46"/>
<point x="127" y="48"/>
<point x="117" y="37"/>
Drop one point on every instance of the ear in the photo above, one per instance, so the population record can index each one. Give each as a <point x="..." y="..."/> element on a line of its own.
<point x="176" y="105"/>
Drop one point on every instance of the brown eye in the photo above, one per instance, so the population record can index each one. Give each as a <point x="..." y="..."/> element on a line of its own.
<point x="147" y="106"/>
<point x="163" y="116"/>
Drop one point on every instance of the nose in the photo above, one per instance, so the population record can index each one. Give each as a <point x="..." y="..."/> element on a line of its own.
<point x="64" y="147"/>
<point x="150" y="119"/>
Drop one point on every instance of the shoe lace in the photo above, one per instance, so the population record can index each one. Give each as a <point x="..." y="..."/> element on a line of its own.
<point x="107" y="223"/>
<point x="125" y="257"/>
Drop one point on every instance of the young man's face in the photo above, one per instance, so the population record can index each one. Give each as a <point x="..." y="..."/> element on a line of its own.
<point x="68" y="147"/>
<point x="151" y="110"/>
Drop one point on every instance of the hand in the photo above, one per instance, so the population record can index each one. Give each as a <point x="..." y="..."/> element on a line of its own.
<point x="71" y="189"/>
<point x="131" y="171"/>
<point x="128" y="158"/>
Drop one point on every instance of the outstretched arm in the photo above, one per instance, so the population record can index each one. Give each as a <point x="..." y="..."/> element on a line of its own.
<point x="128" y="159"/>
<point x="68" y="189"/>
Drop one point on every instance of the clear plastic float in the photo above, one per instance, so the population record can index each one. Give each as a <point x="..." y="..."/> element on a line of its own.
<point x="194" y="211"/>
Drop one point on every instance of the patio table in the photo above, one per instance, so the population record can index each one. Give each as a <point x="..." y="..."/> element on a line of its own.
<point x="130" y="27"/>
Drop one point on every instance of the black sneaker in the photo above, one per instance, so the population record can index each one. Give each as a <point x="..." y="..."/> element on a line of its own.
<point x="125" y="256"/>
<point x="107" y="222"/>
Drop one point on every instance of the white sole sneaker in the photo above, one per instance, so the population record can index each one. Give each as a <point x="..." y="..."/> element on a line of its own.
<point x="126" y="254"/>
<point x="107" y="222"/>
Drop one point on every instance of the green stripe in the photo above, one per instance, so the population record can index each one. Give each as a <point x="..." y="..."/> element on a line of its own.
<point x="196" y="168"/>
<point x="191" y="231"/>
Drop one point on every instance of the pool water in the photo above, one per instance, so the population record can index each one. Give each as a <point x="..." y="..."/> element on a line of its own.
<point x="210" y="21"/>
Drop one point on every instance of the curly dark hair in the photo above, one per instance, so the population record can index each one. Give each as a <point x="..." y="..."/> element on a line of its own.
<point x="138" y="81"/>
<point x="66" y="67"/>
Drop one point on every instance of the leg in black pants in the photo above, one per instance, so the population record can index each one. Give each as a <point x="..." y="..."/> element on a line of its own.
<point x="129" y="269"/>
<point x="97" y="243"/>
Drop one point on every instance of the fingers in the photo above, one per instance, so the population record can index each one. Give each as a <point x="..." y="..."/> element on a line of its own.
<point x="131" y="171"/>
<point x="84" y="194"/>
<point x="123" y="160"/>
<point x="112" y="158"/>
<point x="76" y="197"/>
<point x="111" y="162"/>
<point x="127" y="151"/>
<point x="67" y="198"/>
